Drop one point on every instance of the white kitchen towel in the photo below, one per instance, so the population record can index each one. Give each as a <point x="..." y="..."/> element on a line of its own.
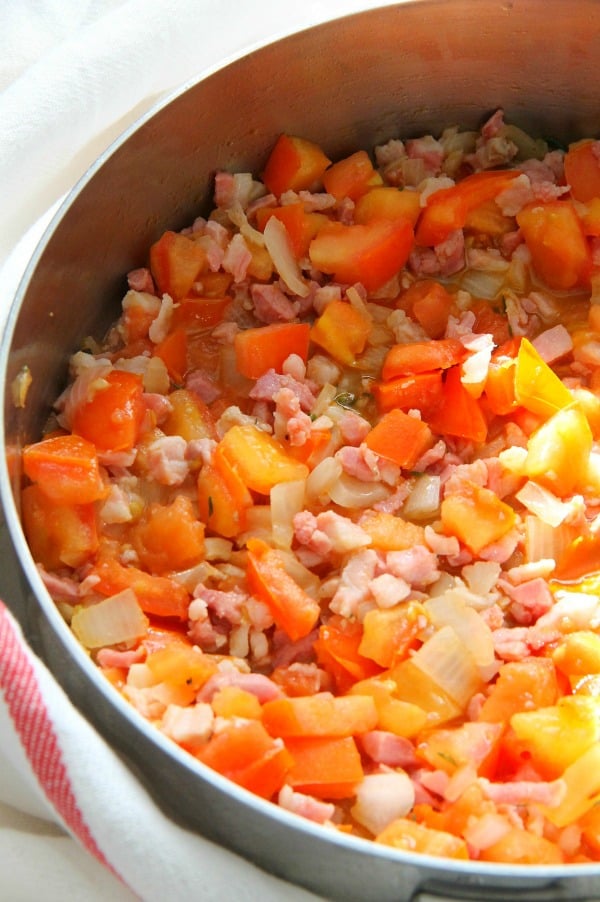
<point x="74" y="822"/>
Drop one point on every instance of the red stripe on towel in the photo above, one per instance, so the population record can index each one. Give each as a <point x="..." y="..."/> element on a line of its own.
<point x="25" y="702"/>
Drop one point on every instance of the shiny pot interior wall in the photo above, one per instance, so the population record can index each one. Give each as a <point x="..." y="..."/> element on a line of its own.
<point x="398" y="71"/>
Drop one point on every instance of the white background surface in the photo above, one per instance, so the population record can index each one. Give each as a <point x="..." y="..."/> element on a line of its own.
<point x="73" y="75"/>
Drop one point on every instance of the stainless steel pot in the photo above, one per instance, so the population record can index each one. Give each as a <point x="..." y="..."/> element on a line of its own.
<point x="396" y="71"/>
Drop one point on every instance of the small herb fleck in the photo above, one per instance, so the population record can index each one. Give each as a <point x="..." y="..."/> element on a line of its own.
<point x="211" y="507"/>
<point x="345" y="399"/>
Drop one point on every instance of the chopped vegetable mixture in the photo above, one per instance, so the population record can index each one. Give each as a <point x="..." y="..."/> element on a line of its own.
<point x="324" y="505"/>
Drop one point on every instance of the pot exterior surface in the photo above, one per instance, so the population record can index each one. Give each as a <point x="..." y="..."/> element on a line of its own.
<point x="399" y="71"/>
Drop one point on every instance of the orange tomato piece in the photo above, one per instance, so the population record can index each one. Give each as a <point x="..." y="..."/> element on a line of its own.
<point x="342" y="330"/>
<point x="198" y="313"/>
<point x="448" y="209"/>
<point x="245" y="753"/>
<point x="322" y="714"/>
<point x="268" y="347"/>
<point x="112" y="417"/>
<point x="370" y="254"/>
<point x="421" y="357"/>
<point x="400" y="438"/>
<point x="419" y="391"/>
<point x="300" y="226"/>
<point x="521" y="847"/>
<point x="58" y="534"/>
<point x="328" y="768"/>
<point x="66" y="469"/>
<point x="351" y="177"/>
<point x="176" y="262"/>
<point x="338" y="652"/>
<point x="499" y="387"/>
<point x="181" y="665"/>
<point x="223" y="499"/>
<point x="389" y="634"/>
<point x="582" y="170"/>
<point x="476" y="516"/>
<point x="259" y="459"/>
<point x="168" y="537"/>
<point x="520" y="685"/>
<point x="580" y="558"/>
<point x="459" y="414"/>
<point x="389" y="532"/>
<point x="157" y="595"/>
<point x="294" y="164"/>
<point x="412" y="837"/>
<point x="387" y="203"/>
<point x="537" y="387"/>
<point x="554" y="235"/>
<point x="189" y="416"/>
<point x="431" y="306"/>
<point x="173" y="351"/>
<point x="293" y="610"/>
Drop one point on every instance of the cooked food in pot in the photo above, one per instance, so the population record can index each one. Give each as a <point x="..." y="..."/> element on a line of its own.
<point x="323" y="505"/>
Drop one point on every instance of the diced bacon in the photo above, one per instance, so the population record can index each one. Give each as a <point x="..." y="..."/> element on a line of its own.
<point x="166" y="460"/>
<point x="554" y="343"/>
<point x="493" y="616"/>
<point x="354" y="587"/>
<point x="390" y="152"/>
<point x="454" y="476"/>
<point x="267" y="200"/>
<point x="289" y="421"/>
<point x="256" y="683"/>
<point x="286" y="653"/>
<point x="141" y="280"/>
<point x="431" y="457"/>
<point x="529" y="600"/>
<point x="223" y="605"/>
<point x="500" y="480"/>
<point x="503" y="549"/>
<point x="361" y="462"/>
<point x="160" y="405"/>
<point x="295" y="367"/>
<point x="111" y="657"/>
<point x="516" y="195"/>
<point x="201" y="449"/>
<point x="486" y="830"/>
<point x="427" y="149"/>
<point x="417" y="565"/>
<point x="525" y="792"/>
<point x="444" y="259"/>
<point x="60" y="587"/>
<point x="225" y="332"/>
<point x="306" y="806"/>
<point x="116" y="507"/>
<point x="90" y="376"/>
<point x="191" y="727"/>
<point x="519" y="642"/>
<point x="237" y="258"/>
<point x="353" y="428"/>
<point x="493" y="126"/>
<point x="224" y="193"/>
<point x="316" y="201"/>
<point x="435" y="781"/>
<point x="440" y="544"/>
<point x="267" y="386"/>
<point x="394" y="502"/>
<point x="117" y="460"/>
<point x="572" y="611"/>
<point x="199" y="382"/>
<point x="146" y="700"/>
<point x="390" y="749"/>
<point x="271" y="305"/>
<point x="328" y="532"/>
<point x="389" y="590"/>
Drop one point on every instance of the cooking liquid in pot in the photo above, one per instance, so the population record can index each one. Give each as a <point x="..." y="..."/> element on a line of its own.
<point x="323" y="504"/>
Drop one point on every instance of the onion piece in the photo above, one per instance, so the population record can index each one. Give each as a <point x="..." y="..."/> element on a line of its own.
<point x="449" y="663"/>
<point x="451" y="610"/>
<point x="424" y="499"/>
<point x="381" y="798"/>
<point x="545" y="542"/>
<point x="287" y="499"/>
<point x="110" y="622"/>
<point x="322" y="478"/>
<point x="238" y="217"/>
<point x="347" y="491"/>
<point x="280" y="251"/>
<point x="543" y="503"/>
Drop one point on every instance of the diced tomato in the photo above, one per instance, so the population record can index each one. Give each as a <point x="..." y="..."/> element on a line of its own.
<point x="459" y="414"/>
<point x="431" y="305"/>
<point x="370" y="254"/>
<point x="58" y="534"/>
<point x="176" y="261"/>
<point x="389" y="633"/>
<point x="322" y="714"/>
<point x="521" y="685"/>
<point x="198" y="313"/>
<point x="168" y="537"/>
<point x="521" y="847"/>
<point x="351" y="177"/>
<point x="342" y="330"/>
<point x="245" y="753"/>
<point x="420" y="391"/>
<point x="259" y="459"/>
<point x="555" y="238"/>
<point x="189" y="416"/>
<point x="157" y="595"/>
<point x="387" y="203"/>
<point x="66" y="469"/>
<point x="390" y="532"/>
<point x="409" y="836"/>
<point x="337" y="651"/>
<point x="268" y="347"/>
<point x="173" y="351"/>
<point x="448" y="209"/>
<point x="223" y="498"/>
<point x="293" y="610"/>
<point x="300" y="225"/>
<point x="400" y="438"/>
<point x="537" y="386"/>
<point x="582" y="170"/>
<point x="580" y="558"/>
<point x="476" y="516"/>
<point x="328" y="768"/>
<point x="294" y="164"/>
<point x="112" y="417"/>
<point x="422" y="356"/>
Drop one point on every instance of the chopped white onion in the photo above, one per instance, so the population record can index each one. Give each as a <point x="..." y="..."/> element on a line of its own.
<point x="321" y="479"/>
<point x="287" y="499"/>
<point x="347" y="491"/>
<point x="239" y="218"/>
<point x="278" y="246"/>
<point x="448" y="662"/>
<point x="110" y="622"/>
<point x="381" y="798"/>
<point x="544" y="504"/>
<point x="451" y="610"/>
<point x="545" y="542"/>
<point x="424" y="499"/>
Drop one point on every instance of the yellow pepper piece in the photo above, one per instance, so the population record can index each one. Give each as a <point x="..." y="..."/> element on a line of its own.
<point x="537" y="387"/>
